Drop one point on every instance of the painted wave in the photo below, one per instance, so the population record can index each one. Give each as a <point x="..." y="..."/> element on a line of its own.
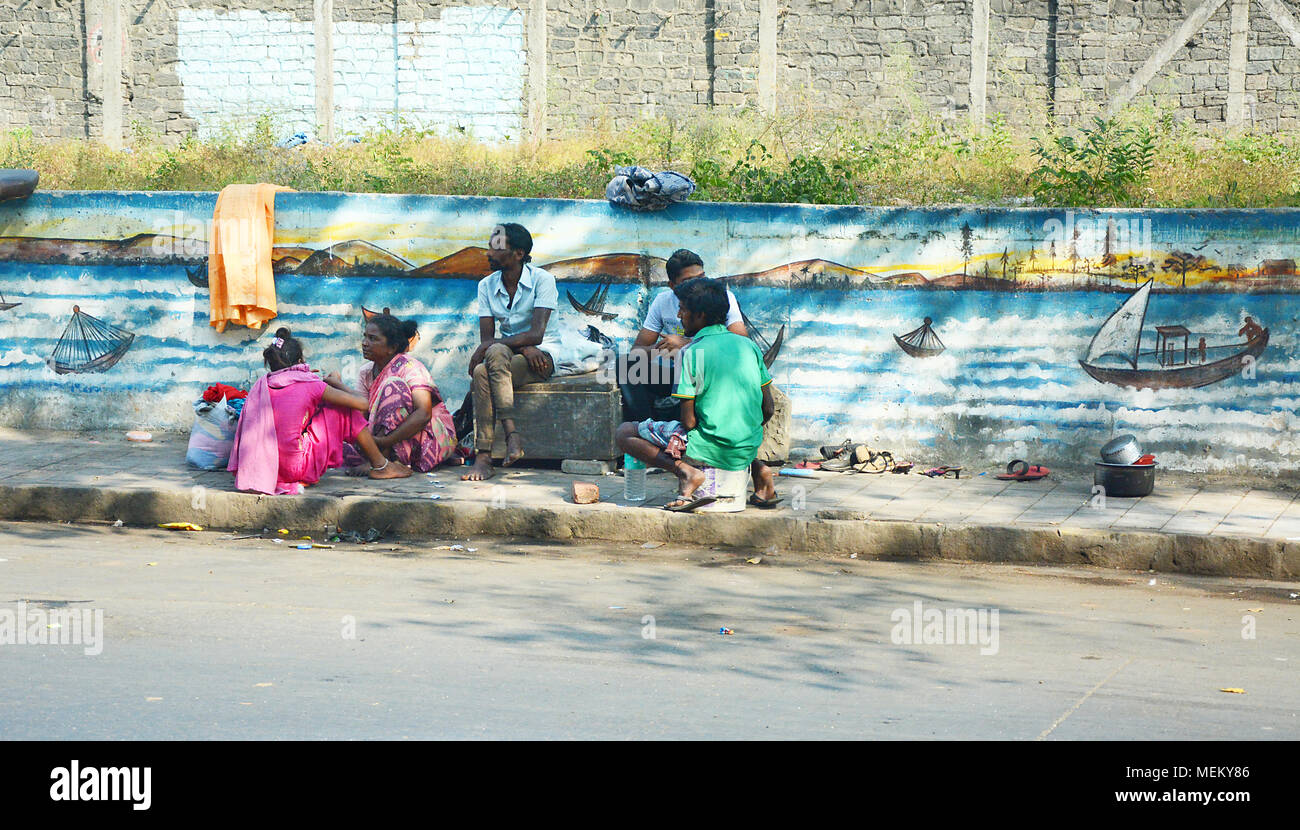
<point x="1009" y="376"/>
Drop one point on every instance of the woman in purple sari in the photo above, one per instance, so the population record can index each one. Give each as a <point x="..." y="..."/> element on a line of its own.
<point x="407" y="415"/>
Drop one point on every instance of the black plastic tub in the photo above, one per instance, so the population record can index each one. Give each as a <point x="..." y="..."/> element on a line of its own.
<point x="1125" y="480"/>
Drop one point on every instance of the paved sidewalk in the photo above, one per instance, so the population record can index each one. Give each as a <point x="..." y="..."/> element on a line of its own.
<point x="1181" y="526"/>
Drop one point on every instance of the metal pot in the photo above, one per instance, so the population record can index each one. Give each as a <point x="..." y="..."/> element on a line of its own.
<point x="1125" y="481"/>
<point x="1123" y="449"/>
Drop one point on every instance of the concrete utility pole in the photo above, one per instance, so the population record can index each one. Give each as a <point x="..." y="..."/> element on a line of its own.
<point x="323" y="27"/>
<point x="979" y="61"/>
<point x="767" y="56"/>
<point x="111" y="94"/>
<point x="1240" y="24"/>
<point x="537" y="69"/>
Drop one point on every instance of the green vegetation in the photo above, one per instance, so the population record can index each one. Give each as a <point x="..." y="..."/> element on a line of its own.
<point x="1134" y="161"/>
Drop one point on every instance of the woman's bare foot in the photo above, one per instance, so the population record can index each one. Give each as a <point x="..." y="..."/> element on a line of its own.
<point x="393" y="469"/>
<point x="359" y="470"/>
<point x="481" y="471"/>
<point x="514" y="448"/>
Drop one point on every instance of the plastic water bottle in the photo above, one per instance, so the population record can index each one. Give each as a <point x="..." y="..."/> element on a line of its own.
<point x="633" y="478"/>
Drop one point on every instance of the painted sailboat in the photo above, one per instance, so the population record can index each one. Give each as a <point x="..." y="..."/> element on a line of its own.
<point x="1169" y="365"/>
<point x="922" y="342"/>
<point x="5" y="306"/>
<point x="88" y="344"/>
<point x="198" y="277"/>
<point x="595" y="305"/>
<point x="769" y="350"/>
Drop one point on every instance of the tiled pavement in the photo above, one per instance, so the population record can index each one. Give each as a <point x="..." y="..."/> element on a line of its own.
<point x="1178" y="505"/>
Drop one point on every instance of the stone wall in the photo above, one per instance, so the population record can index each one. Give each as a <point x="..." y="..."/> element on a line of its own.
<point x="43" y="68"/>
<point x="195" y="65"/>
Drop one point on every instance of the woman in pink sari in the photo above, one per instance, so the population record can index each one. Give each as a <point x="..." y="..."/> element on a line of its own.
<point x="294" y="427"/>
<point x="409" y="420"/>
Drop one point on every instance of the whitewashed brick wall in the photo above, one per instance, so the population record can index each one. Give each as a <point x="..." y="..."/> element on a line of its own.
<point x="236" y="66"/>
<point x="464" y="70"/>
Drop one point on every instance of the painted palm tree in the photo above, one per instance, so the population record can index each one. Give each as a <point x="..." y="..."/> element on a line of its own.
<point x="967" y="249"/>
<point x="1182" y="262"/>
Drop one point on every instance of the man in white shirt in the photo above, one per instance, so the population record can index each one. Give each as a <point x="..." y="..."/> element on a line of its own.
<point x="521" y="300"/>
<point x="661" y="337"/>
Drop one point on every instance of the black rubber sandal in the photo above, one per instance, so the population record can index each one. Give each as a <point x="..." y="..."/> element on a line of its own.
<point x="690" y="504"/>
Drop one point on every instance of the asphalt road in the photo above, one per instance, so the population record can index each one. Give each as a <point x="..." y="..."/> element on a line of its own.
<point x="208" y="637"/>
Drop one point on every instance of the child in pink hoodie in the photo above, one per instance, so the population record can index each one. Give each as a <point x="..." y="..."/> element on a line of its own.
<point x="294" y="426"/>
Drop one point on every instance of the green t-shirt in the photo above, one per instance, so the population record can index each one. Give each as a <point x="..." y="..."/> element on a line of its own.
<point x="724" y="373"/>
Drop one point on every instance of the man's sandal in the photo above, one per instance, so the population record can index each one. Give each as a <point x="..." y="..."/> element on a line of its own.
<point x="685" y="504"/>
<point x="835" y="452"/>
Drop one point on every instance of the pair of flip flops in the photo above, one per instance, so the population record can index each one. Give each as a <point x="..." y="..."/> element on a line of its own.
<point x="764" y="504"/>
<point x="1021" y="470"/>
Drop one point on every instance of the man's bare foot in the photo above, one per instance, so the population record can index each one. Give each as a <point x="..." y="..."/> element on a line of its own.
<point x="359" y="470"/>
<point x="764" y="481"/>
<point x="481" y="471"/>
<point x="514" y="448"/>
<point x="393" y="469"/>
<point x="689" y="479"/>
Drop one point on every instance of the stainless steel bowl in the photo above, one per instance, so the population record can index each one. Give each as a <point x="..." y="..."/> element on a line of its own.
<point x="1122" y="449"/>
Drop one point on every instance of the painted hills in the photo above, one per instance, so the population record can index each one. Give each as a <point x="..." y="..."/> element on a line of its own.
<point x="141" y="249"/>
<point x="361" y="258"/>
<point x="350" y="258"/>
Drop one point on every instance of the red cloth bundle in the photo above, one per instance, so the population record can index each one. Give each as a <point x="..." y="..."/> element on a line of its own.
<point x="218" y="391"/>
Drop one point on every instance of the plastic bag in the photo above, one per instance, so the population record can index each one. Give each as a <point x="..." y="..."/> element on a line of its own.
<point x="212" y="435"/>
<point x="639" y="189"/>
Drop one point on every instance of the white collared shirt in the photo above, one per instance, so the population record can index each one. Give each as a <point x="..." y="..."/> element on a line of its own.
<point x="571" y="353"/>
<point x="536" y="289"/>
<point x="662" y="317"/>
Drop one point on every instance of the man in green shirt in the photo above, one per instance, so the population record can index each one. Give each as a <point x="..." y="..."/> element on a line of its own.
<point x="725" y="393"/>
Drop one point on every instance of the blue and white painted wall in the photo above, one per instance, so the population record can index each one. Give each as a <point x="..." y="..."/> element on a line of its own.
<point x="1035" y="358"/>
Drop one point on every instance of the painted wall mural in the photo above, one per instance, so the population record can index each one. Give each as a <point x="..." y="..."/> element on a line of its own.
<point x="950" y="335"/>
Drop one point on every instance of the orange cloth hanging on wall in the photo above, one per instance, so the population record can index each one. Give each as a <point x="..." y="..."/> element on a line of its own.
<point x="240" y="281"/>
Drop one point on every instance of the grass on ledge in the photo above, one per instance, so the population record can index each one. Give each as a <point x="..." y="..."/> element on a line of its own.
<point x="1139" y="159"/>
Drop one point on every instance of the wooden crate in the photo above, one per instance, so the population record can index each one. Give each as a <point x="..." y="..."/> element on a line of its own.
<point x="567" y="417"/>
